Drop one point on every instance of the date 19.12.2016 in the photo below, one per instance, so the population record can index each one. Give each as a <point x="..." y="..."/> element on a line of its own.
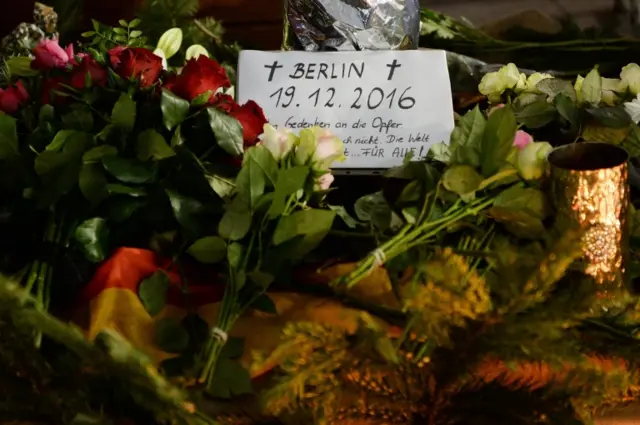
<point x="372" y="99"/>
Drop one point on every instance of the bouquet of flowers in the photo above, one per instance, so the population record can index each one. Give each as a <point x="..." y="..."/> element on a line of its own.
<point x="103" y="135"/>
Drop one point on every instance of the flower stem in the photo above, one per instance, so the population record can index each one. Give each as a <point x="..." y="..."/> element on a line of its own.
<point x="407" y="239"/>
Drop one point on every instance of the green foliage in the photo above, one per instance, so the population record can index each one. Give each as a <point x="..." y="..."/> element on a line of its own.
<point x="103" y="37"/>
<point x="158" y="16"/>
<point x="153" y="292"/>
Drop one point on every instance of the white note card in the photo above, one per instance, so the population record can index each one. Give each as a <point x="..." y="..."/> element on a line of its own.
<point x="382" y="104"/>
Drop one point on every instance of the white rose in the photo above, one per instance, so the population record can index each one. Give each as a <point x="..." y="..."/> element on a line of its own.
<point x="278" y="142"/>
<point x="630" y="76"/>
<point x="494" y="84"/>
<point x="534" y="79"/>
<point x="324" y="182"/>
<point x="532" y="160"/>
<point x="329" y="149"/>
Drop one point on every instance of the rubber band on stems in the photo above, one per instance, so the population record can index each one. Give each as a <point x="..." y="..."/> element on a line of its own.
<point x="219" y="334"/>
<point x="379" y="257"/>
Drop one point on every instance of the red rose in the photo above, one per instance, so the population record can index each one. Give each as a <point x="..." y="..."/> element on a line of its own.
<point x="197" y="77"/>
<point x="12" y="98"/>
<point x="136" y="62"/>
<point x="224" y="102"/>
<point x="48" y="87"/>
<point x="252" y="119"/>
<point x="88" y="66"/>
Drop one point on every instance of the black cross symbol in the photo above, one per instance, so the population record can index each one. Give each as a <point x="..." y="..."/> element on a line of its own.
<point x="393" y="65"/>
<point x="273" y="69"/>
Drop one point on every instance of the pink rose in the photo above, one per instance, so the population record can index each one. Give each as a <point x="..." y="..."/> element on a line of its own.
<point x="324" y="182"/>
<point x="12" y="98"/>
<point x="522" y="139"/>
<point x="48" y="55"/>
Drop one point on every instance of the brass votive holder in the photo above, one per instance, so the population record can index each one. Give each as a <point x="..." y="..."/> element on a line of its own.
<point x="590" y="190"/>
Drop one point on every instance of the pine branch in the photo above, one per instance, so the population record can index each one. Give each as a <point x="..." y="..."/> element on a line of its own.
<point x="110" y="359"/>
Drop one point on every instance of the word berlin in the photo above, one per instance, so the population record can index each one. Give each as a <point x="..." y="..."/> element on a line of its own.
<point x="327" y="71"/>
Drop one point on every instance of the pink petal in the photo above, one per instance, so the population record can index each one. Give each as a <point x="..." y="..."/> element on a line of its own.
<point x="522" y="139"/>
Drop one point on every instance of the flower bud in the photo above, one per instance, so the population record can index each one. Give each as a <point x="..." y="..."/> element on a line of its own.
<point x="630" y="76"/>
<point x="532" y="160"/>
<point x="522" y="139"/>
<point x="278" y="142"/>
<point x="324" y="182"/>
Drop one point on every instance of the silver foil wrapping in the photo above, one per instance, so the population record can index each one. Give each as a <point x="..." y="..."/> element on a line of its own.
<point x="339" y="25"/>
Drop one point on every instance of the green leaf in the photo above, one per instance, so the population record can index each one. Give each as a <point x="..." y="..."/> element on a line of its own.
<point x="223" y="186"/>
<point x="250" y="183"/>
<point x="235" y="222"/>
<point x="151" y="145"/>
<point x="62" y="136"/>
<point x="592" y="88"/>
<point x="171" y="336"/>
<point x="174" y="109"/>
<point x="170" y="42"/>
<point x="47" y="113"/>
<point x="230" y="379"/>
<point x="375" y="209"/>
<point x="264" y="304"/>
<point x="124" y="113"/>
<point x="96" y="154"/>
<point x="536" y="114"/>
<point x="235" y="252"/>
<point x="209" y="250"/>
<point x="265" y="161"/>
<point x="312" y="225"/>
<point x="130" y="170"/>
<point x="8" y="136"/>
<point x="233" y="348"/>
<point x="632" y="142"/>
<point x="202" y="98"/>
<point x="134" y="23"/>
<point x="153" y="291"/>
<point x="567" y="109"/>
<point x="262" y="279"/>
<point x="466" y="138"/>
<point x="80" y="118"/>
<point x="524" y="198"/>
<point x="187" y="212"/>
<point x="119" y="189"/>
<point x="289" y="181"/>
<point x="196" y="50"/>
<point x="497" y="139"/>
<point x="177" y="139"/>
<point x="20" y="66"/>
<point x="553" y="87"/>
<point x="93" y="183"/>
<point x="461" y="179"/>
<point x="344" y="215"/>
<point x="121" y="208"/>
<point x="522" y="211"/>
<point x="227" y="130"/>
<point x="93" y="235"/>
<point x="614" y="117"/>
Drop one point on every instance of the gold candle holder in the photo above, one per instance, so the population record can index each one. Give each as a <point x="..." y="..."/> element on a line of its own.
<point x="590" y="190"/>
